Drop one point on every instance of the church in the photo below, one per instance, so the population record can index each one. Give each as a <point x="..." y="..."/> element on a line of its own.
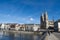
<point x="45" y="23"/>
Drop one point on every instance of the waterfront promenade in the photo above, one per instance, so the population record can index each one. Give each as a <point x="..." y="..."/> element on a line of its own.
<point x="53" y="36"/>
<point x="57" y="34"/>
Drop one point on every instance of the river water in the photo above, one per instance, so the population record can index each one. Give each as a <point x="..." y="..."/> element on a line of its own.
<point x="18" y="36"/>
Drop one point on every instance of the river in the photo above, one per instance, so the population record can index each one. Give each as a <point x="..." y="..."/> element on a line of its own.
<point x="18" y="36"/>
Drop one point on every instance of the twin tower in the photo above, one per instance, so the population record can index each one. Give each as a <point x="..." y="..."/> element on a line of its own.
<point x="44" y="21"/>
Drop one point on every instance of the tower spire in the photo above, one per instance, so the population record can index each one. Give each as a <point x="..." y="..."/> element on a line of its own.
<point x="53" y="19"/>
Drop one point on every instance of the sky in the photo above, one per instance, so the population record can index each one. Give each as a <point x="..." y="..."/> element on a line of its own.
<point x="28" y="11"/>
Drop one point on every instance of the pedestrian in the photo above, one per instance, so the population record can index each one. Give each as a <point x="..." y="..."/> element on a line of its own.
<point x="49" y="32"/>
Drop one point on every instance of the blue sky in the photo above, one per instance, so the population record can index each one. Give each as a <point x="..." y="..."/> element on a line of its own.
<point x="28" y="11"/>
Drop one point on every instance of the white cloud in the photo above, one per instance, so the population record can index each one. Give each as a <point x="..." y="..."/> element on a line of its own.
<point x="31" y="19"/>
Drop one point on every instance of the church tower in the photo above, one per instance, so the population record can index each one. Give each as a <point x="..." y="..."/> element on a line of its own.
<point x="44" y="21"/>
<point x="42" y="18"/>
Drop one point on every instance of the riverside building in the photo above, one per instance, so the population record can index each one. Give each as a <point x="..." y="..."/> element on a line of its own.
<point x="57" y="26"/>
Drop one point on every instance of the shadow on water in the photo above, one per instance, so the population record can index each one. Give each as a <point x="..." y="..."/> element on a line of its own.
<point x="18" y="36"/>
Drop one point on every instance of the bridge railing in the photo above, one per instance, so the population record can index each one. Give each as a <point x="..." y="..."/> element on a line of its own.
<point x="43" y="36"/>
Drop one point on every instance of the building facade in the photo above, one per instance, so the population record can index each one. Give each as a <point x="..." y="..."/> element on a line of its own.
<point x="57" y="26"/>
<point x="32" y="27"/>
<point x="4" y="26"/>
<point x="36" y="27"/>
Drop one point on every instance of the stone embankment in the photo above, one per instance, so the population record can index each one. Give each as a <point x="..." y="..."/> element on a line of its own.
<point x="51" y="37"/>
<point x="23" y="32"/>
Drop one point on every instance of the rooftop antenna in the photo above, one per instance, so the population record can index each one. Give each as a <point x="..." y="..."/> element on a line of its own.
<point x="45" y="10"/>
<point x="53" y="19"/>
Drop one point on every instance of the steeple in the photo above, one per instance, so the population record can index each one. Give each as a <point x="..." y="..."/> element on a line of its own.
<point x="46" y="12"/>
<point x="45" y="16"/>
<point x="44" y="20"/>
<point x="42" y="16"/>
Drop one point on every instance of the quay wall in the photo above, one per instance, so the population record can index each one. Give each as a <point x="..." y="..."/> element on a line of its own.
<point x="25" y="32"/>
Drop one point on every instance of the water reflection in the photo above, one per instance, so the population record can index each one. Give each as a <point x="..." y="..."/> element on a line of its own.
<point x="18" y="36"/>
